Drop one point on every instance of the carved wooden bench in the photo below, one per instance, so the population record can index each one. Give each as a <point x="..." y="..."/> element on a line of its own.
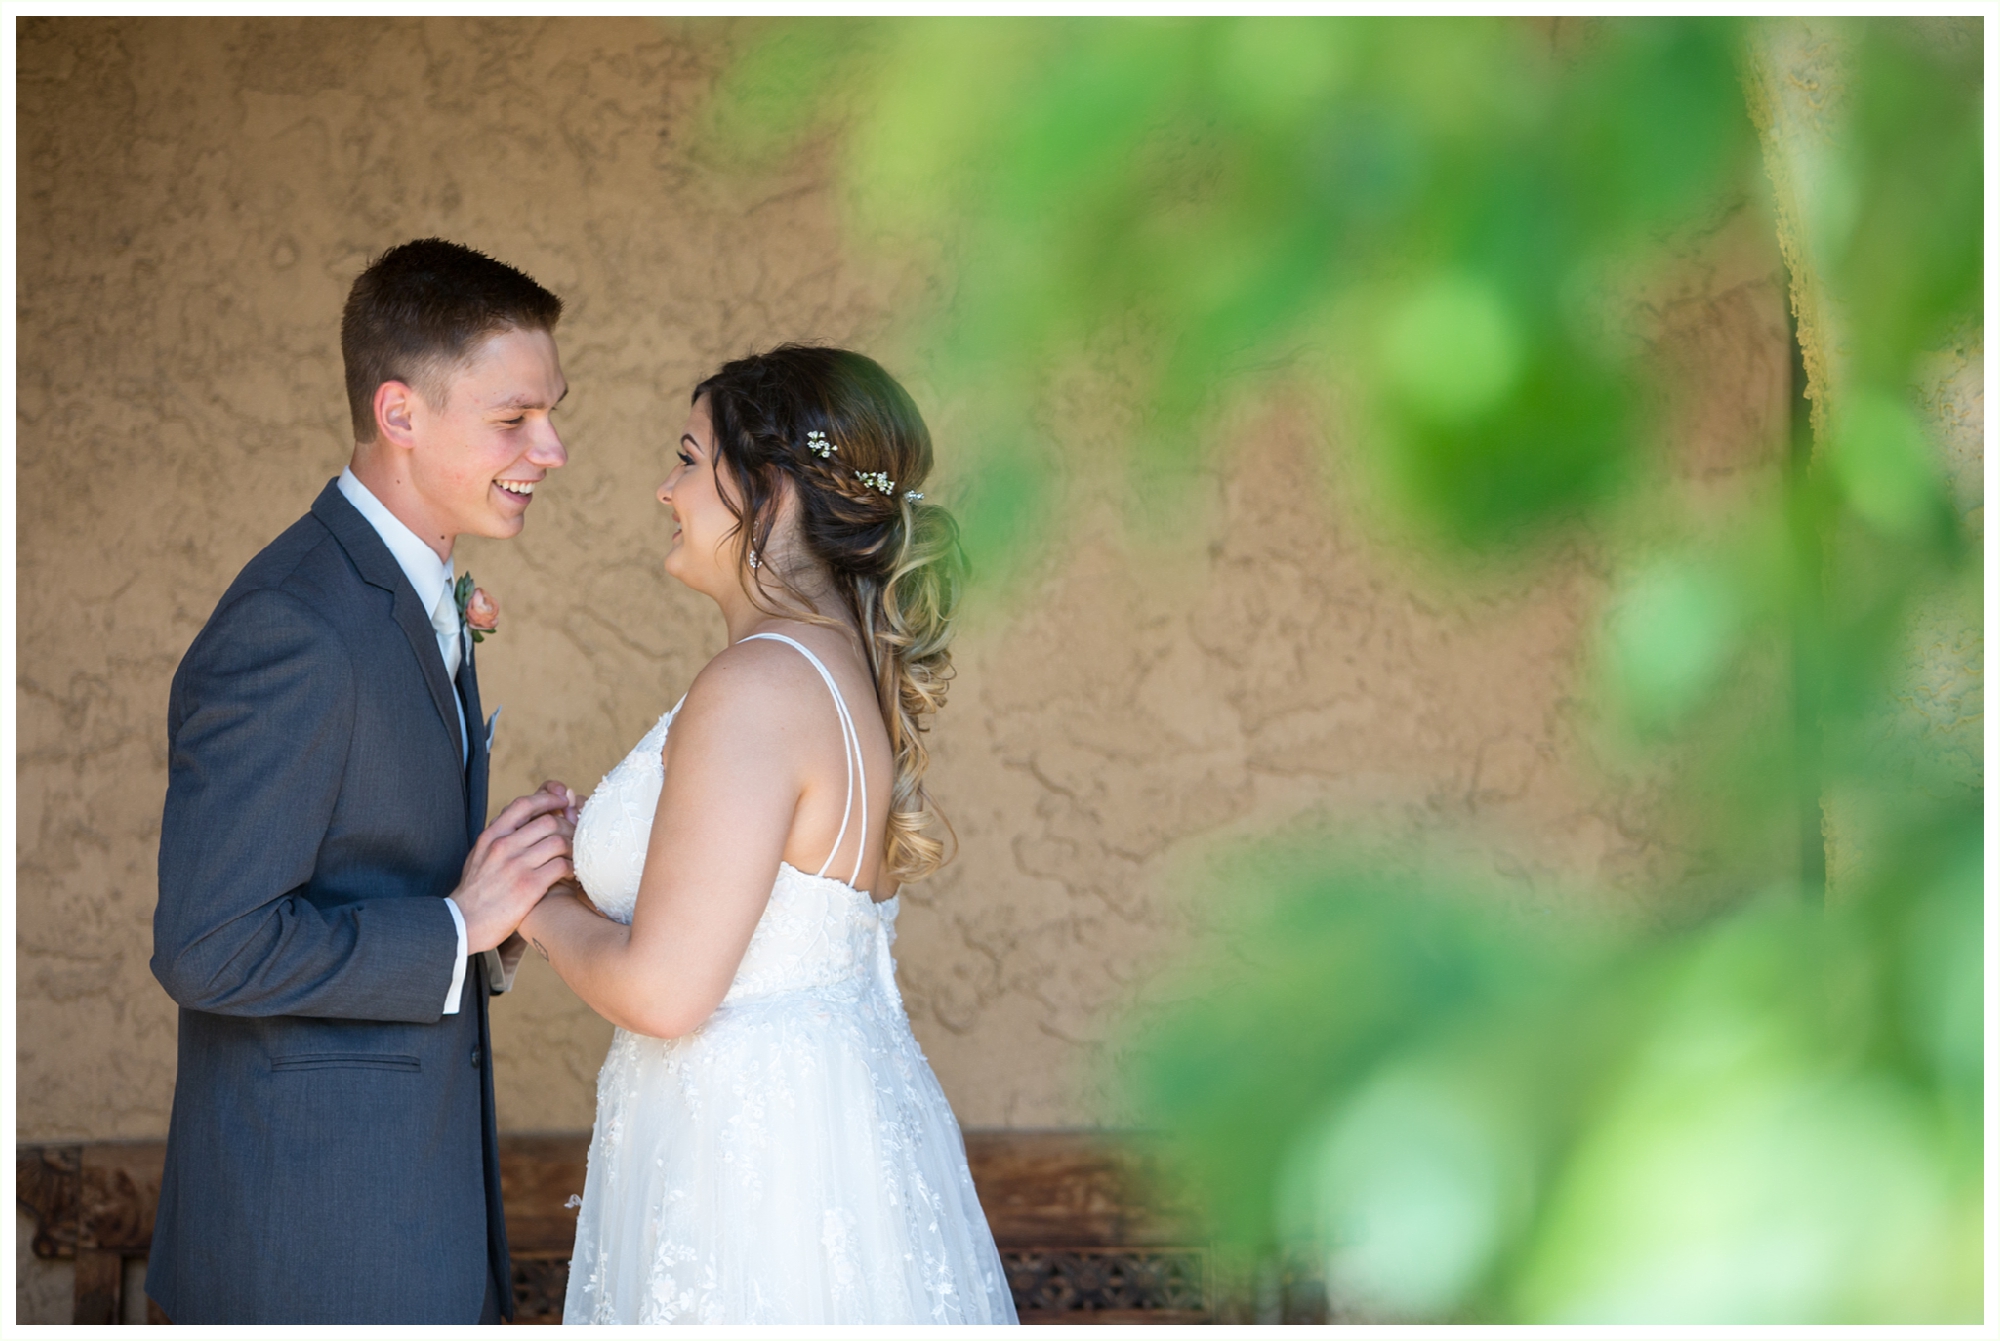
<point x="1082" y="1233"/>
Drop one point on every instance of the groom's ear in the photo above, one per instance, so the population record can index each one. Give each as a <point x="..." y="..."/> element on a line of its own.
<point x="395" y="414"/>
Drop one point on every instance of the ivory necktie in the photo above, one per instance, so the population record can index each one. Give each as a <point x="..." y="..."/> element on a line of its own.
<point x="445" y="620"/>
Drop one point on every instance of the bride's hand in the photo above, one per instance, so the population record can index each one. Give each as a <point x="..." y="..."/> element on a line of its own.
<point x="571" y="811"/>
<point x="572" y="803"/>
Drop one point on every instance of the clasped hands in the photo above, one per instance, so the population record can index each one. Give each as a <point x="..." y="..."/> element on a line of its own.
<point x="522" y="854"/>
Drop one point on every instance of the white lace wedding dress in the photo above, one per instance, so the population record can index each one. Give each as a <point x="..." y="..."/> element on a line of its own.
<point x="793" y="1159"/>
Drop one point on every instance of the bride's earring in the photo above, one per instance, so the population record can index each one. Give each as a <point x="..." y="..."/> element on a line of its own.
<point x="753" y="558"/>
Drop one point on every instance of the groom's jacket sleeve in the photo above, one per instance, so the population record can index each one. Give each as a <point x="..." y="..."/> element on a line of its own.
<point x="259" y="732"/>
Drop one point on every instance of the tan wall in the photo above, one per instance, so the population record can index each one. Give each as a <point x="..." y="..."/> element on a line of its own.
<point x="195" y="197"/>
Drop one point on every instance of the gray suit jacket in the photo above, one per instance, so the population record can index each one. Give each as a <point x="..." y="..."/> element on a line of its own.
<point x="332" y="1155"/>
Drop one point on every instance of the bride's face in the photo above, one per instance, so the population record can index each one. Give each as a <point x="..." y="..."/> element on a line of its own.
<point x="701" y="554"/>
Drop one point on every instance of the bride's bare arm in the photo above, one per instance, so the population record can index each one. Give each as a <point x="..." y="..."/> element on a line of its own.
<point x="733" y="783"/>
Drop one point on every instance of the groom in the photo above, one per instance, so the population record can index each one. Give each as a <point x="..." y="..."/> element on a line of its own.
<point x="326" y="892"/>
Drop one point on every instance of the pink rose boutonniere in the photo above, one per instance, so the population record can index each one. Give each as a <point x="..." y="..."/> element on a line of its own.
<point x="480" y="612"/>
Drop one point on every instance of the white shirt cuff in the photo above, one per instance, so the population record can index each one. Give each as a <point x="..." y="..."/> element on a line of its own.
<point x="458" y="964"/>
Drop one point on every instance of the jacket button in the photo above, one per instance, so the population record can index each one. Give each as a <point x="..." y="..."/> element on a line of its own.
<point x="475" y="1057"/>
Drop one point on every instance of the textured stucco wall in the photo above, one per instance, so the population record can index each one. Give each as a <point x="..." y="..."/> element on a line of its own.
<point x="195" y="197"/>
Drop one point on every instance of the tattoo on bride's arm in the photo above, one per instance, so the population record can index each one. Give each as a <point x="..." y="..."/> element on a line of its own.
<point x="539" y="947"/>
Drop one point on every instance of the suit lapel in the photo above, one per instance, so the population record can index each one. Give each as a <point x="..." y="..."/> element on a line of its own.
<point x="378" y="567"/>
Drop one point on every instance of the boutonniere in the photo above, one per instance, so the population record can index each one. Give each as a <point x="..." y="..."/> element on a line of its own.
<point x="479" y="611"/>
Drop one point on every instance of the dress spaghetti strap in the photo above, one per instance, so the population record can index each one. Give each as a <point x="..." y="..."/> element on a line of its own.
<point x="850" y="750"/>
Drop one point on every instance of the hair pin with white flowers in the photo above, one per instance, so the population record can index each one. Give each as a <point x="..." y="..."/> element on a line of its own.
<point x="912" y="496"/>
<point x="817" y="444"/>
<point x="876" y="480"/>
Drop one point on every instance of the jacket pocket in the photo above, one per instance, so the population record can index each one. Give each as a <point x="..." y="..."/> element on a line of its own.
<point x="367" y="1061"/>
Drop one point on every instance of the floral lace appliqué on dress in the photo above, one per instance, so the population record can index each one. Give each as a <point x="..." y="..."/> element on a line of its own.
<point x="793" y="1160"/>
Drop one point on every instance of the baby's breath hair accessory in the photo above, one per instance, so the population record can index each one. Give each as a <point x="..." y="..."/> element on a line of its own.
<point x="817" y="444"/>
<point x="912" y="496"/>
<point x="876" y="480"/>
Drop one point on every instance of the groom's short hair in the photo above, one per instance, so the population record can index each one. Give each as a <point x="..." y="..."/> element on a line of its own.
<point x="419" y="309"/>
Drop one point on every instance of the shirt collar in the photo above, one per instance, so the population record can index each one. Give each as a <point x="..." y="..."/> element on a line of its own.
<point x="429" y="576"/>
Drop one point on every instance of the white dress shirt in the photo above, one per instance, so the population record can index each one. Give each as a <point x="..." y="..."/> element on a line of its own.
<point x="431" y="577"/>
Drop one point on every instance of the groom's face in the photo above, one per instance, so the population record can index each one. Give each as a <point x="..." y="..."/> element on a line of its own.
<point x="490" y="438"/>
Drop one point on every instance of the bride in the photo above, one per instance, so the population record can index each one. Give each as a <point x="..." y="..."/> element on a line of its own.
<point x="771" y="1146"/>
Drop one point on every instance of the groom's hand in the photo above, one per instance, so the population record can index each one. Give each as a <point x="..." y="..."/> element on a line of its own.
<point x="523" y="851"/>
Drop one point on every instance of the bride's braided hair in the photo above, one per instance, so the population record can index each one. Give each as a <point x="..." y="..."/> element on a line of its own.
<point x="842" y="429"/>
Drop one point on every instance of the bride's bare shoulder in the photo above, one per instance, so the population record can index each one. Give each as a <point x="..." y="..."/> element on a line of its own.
<point x="757" y="685"/>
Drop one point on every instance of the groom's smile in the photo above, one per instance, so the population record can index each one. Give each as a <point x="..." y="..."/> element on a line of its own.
<point x="515" y="495"/>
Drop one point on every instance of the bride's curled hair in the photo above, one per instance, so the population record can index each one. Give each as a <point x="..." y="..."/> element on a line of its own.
<point x="857" y="452"/>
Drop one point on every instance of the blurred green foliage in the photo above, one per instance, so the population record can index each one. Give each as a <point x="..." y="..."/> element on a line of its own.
<point x="1766" y="1110"/>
